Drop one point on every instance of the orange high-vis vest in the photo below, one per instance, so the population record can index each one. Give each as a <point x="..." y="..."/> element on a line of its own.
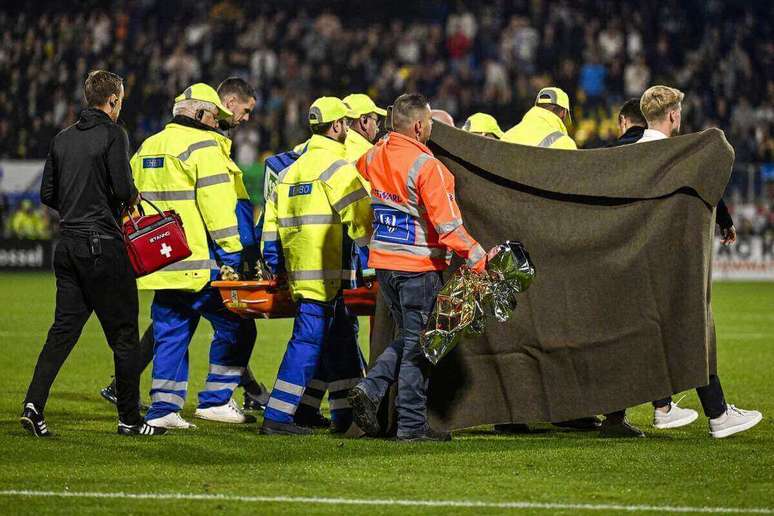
<point x="417" y="223"/>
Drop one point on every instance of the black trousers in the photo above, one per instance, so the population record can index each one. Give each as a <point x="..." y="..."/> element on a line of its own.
<point x="713" y="402"/>
<point x="103" y="284"/>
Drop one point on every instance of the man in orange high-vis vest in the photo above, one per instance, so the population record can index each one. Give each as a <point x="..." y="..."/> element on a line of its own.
<point x="417" y="225"/>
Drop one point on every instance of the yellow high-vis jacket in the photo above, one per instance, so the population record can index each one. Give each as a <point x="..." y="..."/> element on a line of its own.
<point x="187" y="169"/>
<point x="315" y="198"/>
<point x="356" y="145"/>
<point x="540" y="128"/>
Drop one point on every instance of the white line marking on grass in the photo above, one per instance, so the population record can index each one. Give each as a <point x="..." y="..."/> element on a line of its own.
<point x="472" y="504"/>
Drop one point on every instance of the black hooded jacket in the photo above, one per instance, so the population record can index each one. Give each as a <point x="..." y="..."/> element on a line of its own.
<point x="87" y="177"/>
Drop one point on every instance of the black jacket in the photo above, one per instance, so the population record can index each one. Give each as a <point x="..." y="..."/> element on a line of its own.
<point x="633" y="135"/>
<point x="87" y="177"/>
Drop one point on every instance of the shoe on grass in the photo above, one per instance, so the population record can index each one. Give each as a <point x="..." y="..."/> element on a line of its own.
<point x="429" y="434"/>
<point x="732" y="421"/>
<point x="32" y="420"/>
<point x="364" y="411"/>
<point x="256" y="401"/>
<point x="270" y="427"/>
<point x="619" y="429"/>
<point x="228" y="413"/>
<point x="109" y="394"/>
<point x="140" y="429"/>
<point x="675" y="417"/>
<point x="583" y="424"/>
<point x="312" y="419"/>
<point x="511" y="429"/>
<point x="171" y="420"/>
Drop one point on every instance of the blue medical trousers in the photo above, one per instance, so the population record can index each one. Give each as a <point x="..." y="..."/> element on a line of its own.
<point x="175" y="317"/>
<point x="411" y="298"/>
<point x="323" y="346"/>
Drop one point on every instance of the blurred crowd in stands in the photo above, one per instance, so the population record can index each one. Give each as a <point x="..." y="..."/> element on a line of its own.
<point x="466" y="56"/>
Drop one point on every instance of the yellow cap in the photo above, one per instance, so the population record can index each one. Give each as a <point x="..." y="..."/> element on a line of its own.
<point x="361" y="104"/>
<point x="553" y="95"/>
<point x="328" y="109"/>
<point x="482" y="123"/>
<point x="204" y="93"/>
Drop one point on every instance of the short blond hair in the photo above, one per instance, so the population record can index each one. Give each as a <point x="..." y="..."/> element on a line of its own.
<point x="659" y="100"/>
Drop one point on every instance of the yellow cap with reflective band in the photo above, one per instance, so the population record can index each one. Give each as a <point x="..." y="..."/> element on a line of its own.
<point x="361" y="104"/>
<point x="482" y="123"/>
<point x="328" y="109"/>
<point x="553" y="95"/>
<point x="204" y="93"/>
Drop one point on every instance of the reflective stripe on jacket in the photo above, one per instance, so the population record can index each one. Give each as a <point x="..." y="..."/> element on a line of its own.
<point x="188" y="169"/>
<point x="314" y="199"/>
<point x="416" y="218"/>
<point x="540" y="128"/>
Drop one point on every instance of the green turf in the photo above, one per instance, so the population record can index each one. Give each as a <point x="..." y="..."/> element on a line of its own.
<point x="682" y="467"/>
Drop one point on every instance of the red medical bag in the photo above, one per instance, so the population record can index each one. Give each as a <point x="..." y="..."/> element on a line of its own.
<point x="154" y="241"/>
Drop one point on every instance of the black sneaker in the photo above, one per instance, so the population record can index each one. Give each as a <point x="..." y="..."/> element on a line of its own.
<point x="34" y="422"/>
<point x="276" y="428"/>
<point x="312" y="419"/>
<point x="109" y="394"/>
<point x="620" y="428"/>
<point x="430" y="434"/>
<point x="340" y="427"/>
<point x="256" y="400"/>
<point x="511" y="429"/>
<point x="582" y="424"/>
<point x="140" y="429"/>
<point x="364" y="411"/>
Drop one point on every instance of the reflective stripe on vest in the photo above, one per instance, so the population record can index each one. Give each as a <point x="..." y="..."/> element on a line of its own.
<point x="213" y="180"/>
<point x="192" y="265"/>
<point x="302" y="220"/>
<point x="196" y="146"/>
<point x="428" y="252"/>
<point x="173" y="195"/>
<point x="328" y="172"/>
<point x="411" y="179"/>
<point x="330" y="274"/>
<point x="550" y="139"/>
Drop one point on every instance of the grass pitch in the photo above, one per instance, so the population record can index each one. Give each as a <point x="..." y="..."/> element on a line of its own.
<point x="673" y="470"/>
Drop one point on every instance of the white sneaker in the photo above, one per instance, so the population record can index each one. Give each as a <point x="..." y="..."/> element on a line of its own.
<point x="734" y="420"/>
<point x="171" y="420"/>
<point x="675" y="417"/>
<point x="228" y="413"/>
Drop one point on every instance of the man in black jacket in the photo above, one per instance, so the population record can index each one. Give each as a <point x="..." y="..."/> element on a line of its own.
<point x="632" y="125"/>
<point x="87" y="179"/>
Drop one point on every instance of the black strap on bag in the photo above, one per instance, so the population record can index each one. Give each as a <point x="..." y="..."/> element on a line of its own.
<point x="164" y="218"/>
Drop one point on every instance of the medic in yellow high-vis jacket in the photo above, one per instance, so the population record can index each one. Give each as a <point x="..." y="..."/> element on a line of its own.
<point x="316" y="199"/>
<point x="187" y="168"/>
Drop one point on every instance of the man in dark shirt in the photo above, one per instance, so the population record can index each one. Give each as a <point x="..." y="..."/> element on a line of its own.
<point x="87" y="179"/>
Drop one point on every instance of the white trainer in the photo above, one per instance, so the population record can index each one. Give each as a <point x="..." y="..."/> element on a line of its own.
<point x="228" y="413"/>
<point x="171" y="420"/>
<point x="675" y="417"/>
<point x="732" y="421"/>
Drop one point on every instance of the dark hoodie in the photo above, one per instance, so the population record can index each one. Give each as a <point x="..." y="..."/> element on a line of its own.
<point x="87" y="177"/>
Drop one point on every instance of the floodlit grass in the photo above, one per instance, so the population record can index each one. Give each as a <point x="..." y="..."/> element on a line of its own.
<point x="682" y="467"/>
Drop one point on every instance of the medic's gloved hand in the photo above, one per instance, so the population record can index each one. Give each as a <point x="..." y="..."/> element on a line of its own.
<point x="228" y="273"/>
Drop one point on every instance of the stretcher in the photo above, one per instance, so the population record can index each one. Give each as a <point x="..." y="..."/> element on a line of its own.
<point x="270" y="299"/>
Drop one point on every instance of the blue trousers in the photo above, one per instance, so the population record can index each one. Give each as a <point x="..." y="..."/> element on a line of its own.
<point x="323" y="347"/>
<point x="175" y="317"/>
<point x="411" y="298"/>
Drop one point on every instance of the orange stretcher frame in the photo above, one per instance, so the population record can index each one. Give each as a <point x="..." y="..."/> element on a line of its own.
<point x="269" y="299"/>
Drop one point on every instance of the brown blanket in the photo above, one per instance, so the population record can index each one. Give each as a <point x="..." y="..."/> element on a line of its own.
<point x="619" y="313"/>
